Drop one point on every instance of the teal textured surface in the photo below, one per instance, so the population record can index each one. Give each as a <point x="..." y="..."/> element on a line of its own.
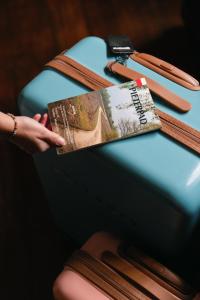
<point x="168" y="168"/>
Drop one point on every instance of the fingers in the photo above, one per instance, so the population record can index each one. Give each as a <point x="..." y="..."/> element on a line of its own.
<point x="41" y="119"/>
<point x="34" y="136"/>
<point x="48" y="137"/>
<point x="55" y="139"/>
<point x="37" y="117"/>
<point x="44" y="120"/>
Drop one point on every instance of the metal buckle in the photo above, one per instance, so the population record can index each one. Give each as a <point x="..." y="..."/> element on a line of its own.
<point x="122" y="59"/>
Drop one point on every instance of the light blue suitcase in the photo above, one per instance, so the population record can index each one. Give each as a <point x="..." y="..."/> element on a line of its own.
<point x="145" y="187"/>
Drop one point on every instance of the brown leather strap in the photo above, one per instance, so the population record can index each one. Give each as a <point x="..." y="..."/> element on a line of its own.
<point x="179" y="136"/>
<point x="155" y="269"/>
<point x="69" y="67"/>
<point x="84" y="71"/>
<point x="180" y="131"/>
<point x="195" y="134"/>
<point x="134" y="275"/>
<point x="157" y="272"/>
<point x="169" y="97"/>
<point x="167" y="70"/>
<point x="66" y="70"/>
<point x="104" y="278"/>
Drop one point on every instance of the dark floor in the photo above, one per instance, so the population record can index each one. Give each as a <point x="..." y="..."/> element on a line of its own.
<point x="32" y="251"/>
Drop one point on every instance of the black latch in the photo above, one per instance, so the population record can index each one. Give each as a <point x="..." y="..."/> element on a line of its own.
<point x="120" y="44"/>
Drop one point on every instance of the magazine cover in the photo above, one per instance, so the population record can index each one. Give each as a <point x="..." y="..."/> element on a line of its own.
<point x="102" y="116"/>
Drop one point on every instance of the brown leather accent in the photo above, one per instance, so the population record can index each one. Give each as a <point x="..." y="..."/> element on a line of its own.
<point x="104" y="277"/>
<point x="88" y="73"/>
<point x="70" y="68"/>
<point x="172" y="132"/>
<point x="180" y="131"/>
<point x="135" y="275"/>
<point x="157" y="272"/>
<point x="166" y="95"/>
<point x="167" y="70"/>
<point x="66" y="70"/>
<point x="195" y="134"/>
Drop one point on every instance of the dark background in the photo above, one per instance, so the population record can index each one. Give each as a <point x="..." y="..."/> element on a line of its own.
<point x="32" y="251"/>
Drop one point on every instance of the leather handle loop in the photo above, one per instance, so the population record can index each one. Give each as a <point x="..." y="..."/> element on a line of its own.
<point x="166" y="95"/>
<point x="167" y="70"/>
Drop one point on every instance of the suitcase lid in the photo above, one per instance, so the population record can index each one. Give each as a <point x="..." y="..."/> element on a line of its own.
<point x="167" y="166"/>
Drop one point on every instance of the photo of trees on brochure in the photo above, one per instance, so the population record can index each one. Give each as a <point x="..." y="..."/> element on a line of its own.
<point x="102" y="116"/>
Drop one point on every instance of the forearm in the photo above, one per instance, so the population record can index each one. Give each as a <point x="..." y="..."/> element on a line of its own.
<point x="6" y="125"/>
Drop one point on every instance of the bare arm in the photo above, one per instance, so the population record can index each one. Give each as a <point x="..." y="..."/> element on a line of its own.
<point x="31" y="134"/>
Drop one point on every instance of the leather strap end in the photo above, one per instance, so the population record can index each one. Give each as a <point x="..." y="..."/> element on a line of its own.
<point x="165" y="94"/>
<point x="109" y="66"/>
<point x="185" y="106"/>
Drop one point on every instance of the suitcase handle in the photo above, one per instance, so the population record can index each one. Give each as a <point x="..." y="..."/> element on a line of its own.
<point x="165" y="94"/>
<point x="167" y="70"/>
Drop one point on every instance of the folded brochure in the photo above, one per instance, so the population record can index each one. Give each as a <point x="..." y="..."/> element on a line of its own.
<point x="102" y="116"/>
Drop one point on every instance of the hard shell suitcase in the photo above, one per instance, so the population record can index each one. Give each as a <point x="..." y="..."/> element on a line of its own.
<point x="105" y="268"/>
<point x="147" y="186"/>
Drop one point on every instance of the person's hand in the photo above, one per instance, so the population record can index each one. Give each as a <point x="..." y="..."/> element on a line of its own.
<point x="32" y="135"/>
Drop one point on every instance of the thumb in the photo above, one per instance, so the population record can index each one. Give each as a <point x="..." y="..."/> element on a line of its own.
<point x="55" y="139"/>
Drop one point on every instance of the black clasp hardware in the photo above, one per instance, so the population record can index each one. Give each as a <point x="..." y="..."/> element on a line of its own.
<point x="121" y="46"/>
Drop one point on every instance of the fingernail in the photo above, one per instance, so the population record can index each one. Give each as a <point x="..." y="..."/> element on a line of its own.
<point x="60" y="141"/>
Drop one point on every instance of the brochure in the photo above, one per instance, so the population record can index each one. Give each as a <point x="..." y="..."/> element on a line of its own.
<point x="102" y="116"/>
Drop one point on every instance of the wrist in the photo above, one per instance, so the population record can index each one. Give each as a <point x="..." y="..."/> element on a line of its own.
<point x="8" y="126"/>
<point x="15" y="125"/>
